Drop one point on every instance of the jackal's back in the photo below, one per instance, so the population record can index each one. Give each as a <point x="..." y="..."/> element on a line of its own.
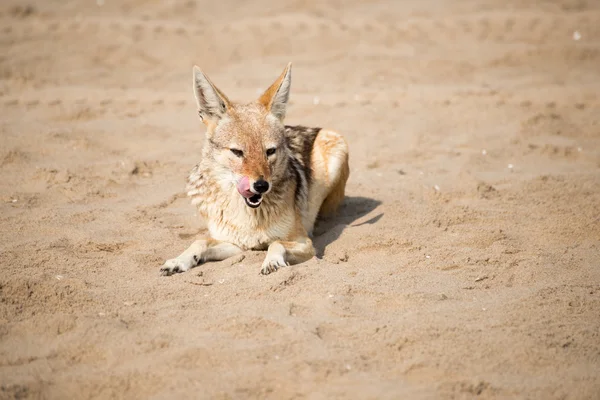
<point x="300" y="141"/>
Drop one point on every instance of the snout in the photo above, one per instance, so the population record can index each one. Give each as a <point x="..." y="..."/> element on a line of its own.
<point x="261" y="186"/>
<point x="253" y="192"/>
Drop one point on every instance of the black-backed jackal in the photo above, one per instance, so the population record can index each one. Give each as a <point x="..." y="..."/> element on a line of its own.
<point x="260" y="184"/>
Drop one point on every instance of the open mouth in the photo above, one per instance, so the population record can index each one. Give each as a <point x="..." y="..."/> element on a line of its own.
<point x="253" y="201"/>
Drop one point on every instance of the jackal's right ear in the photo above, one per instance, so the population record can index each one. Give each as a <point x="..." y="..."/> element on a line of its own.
<point x="275" y="98"/>
<point x="212" y="103"/>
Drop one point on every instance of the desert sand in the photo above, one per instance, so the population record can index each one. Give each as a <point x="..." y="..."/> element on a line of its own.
<point x="464" y="262"/>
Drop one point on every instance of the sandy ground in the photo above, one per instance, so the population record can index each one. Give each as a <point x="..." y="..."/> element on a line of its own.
<point x="465" y="261"/>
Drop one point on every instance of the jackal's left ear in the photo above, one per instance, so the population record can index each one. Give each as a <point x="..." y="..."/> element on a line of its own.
<point x="212" y="103"/>
<point x="276" y="96"/>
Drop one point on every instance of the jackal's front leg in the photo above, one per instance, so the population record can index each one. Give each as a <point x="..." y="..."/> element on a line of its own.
<point x="282" y="253"/>
<point x="199" y="252"/>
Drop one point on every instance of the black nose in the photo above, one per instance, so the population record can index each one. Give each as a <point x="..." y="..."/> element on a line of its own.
<point x="261" y="186"/>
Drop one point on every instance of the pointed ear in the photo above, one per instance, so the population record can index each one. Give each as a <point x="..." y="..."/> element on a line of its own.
<point x="212" y="103"/>
<point x="276" y="96"/>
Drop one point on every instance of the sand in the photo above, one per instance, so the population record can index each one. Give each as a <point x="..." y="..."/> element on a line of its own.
<point x="464" y="262"/>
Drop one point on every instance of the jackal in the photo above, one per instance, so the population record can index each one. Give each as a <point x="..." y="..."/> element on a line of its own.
<point x="260" y="184"/>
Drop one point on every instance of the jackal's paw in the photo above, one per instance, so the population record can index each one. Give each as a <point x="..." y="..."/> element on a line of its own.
<point x="272" y="264"/>
<point x="175" y="265"/>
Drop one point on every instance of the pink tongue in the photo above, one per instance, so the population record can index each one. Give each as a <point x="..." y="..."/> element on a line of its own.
<point x="243" y="187"/>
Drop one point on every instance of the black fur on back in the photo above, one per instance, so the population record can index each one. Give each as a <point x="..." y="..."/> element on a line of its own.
<point x="300" y="141"/>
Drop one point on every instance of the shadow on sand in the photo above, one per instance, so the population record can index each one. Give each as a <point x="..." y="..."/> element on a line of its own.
<point x="329" y="229"/>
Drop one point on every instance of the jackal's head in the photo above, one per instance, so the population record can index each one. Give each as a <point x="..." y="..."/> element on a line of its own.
<point x="246" y="142"/>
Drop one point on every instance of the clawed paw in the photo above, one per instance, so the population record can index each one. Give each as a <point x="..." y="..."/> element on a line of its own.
<point x="174" y="266"/>
<point x="272" y="265"/>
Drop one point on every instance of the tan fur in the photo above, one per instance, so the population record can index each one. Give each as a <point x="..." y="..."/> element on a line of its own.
<point x="336" y="194"/>
<point x="330" y="173"/>
<point x="306" y="170"/>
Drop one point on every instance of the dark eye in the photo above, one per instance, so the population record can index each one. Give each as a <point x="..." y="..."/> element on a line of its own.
<point x="238" y="153"/>
<point x="271" y="151"/>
